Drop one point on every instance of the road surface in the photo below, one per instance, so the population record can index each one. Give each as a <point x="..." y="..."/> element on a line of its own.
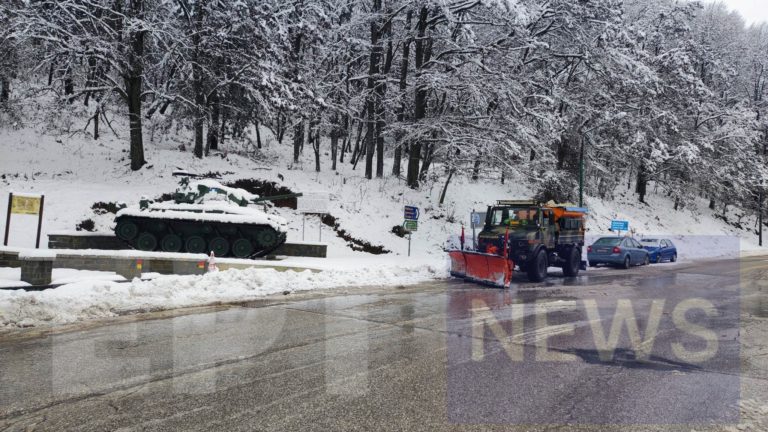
<point x="437" y="356"/>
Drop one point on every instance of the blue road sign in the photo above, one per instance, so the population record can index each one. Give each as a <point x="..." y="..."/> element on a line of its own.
<point x="411" y="213"/>
<point x="477" y="219"/>
<point x="619" y="225"/>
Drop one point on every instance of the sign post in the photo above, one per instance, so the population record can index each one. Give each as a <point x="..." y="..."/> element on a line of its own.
<point x="619" y="225"/>
<point x="476" y="219"/>
<point x="411" y="223"/>
<point x="313" y="203"/>
<point x="25" y="205"/>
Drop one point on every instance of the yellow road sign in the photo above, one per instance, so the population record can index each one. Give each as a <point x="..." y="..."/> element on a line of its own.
<point x="25" y="205"/>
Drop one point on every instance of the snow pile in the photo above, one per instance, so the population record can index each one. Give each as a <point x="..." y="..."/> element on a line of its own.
<point x="216" y="212"/>
<point x="217" y="191"/>
<point x="102" y="299"/>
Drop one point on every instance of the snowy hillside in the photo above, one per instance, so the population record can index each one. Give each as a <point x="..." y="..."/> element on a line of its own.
<point x="77" y="172"/>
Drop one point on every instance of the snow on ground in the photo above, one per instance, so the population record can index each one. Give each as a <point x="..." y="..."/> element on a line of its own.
<point x="11" y="277"/>
<point x="74" y="172"/>
<point x="101" y="299"/>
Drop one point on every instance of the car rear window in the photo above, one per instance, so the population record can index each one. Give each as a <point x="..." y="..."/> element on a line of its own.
<point x="607" y="241"/>
<point x="650" y="241"/>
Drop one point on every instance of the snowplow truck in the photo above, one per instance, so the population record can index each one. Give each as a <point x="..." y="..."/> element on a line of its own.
<point x="538" y="236"/>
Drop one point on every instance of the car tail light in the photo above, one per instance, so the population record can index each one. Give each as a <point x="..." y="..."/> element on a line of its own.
<point x="589" y="248"/>
<point x="616" y="250"/>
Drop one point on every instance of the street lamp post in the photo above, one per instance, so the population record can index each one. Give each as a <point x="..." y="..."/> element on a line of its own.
<point x="581" y="172"/>
<point x="760" y="216"/>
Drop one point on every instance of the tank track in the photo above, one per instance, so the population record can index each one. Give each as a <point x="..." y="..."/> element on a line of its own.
<point x="224" y="239"/>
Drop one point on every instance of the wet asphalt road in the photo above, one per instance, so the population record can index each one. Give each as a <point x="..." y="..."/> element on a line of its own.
<point x="438" y="356"/>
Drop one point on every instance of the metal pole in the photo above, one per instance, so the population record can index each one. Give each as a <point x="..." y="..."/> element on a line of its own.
<point x="40" y="221"/>
<point x="472" y="222"/>
<point x="581" y="172"/>
<point x="303" y="222"/>
<point x="760" y="218"/>
<point x="8" y="219"/>
<point x="320" y="229"/>
<point x="409" y="244"/>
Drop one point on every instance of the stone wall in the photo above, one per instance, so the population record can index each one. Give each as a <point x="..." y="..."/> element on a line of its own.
<point x="36" y="269"/>
<point x="314" y="250"/>
<point x="104" y="241"/>
<point x="132" y="266"/>
<point x="9" y="259"/>
<point x="107" y="241"/>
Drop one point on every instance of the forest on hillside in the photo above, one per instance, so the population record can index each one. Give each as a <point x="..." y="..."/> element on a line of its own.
<point x="633" y="92"/>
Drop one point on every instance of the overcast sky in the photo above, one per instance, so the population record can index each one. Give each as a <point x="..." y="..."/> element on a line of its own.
<point x="752" y="10"/>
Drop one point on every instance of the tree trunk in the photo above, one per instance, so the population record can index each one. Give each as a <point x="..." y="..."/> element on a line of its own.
<point x="197" y="82"/>
<point x="96" y="116"/>
<point x="280" y="127"/>
<point x="334" y="141"/>
<point x="361" y="150"/>
<point x="69" y="85"/>
<point x="133" y="90"/>
<point x="398" y="156"/>
<point x="445" y="187"/>
<point x="381" y="94"/>
<point x="356" y="152"/>
<point x="213" y="129"/>
<point x="370" y="140"/>
<point x="5" y="89"/>
<point x="51" y="71"/>
<point x="223" y="126"/>
<point x="199" y="127"/>
<point x="347" y="137"/>
<point x="298" y="139"/>
<point x="258" y="134"/>
<point x="642" y="184"/>
<point x="316" y="148"/>
<point x="133" y="87"/>
<point x="476" y="169"/>
<point x="429" y="151"/>
<point x="373" y="101"/>
<point x="380" y="124"/>
<point x="403" y="86"/>
<point x="420" y="100"/>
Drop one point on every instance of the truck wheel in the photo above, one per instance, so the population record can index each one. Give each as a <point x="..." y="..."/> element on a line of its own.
<point x="537" y="268"/>
<point x="572" y="264"/>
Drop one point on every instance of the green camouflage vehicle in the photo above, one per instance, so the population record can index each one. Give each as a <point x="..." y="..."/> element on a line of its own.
<point x="539" y="236"/>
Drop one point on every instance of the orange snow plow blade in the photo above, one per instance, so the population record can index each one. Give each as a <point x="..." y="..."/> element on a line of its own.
<point x="479" y="267"/>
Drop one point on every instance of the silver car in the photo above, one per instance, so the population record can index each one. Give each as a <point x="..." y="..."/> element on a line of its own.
<point x="624" y="252"/>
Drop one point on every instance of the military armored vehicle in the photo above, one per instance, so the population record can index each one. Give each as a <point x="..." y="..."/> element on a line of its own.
<point x="538" y="236"/>
<point x="204" y="216"/>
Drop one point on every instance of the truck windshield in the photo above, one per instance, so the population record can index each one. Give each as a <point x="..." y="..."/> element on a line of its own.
<point x="514" y="216"/>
